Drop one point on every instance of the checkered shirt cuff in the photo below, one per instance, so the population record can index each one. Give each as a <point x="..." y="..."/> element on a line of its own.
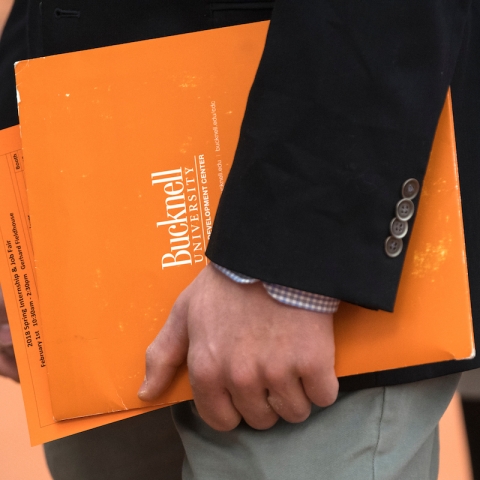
<point x="287" y="295"/>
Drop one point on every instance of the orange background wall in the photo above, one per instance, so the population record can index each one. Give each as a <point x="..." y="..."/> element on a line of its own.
<point x="18" y="461"/>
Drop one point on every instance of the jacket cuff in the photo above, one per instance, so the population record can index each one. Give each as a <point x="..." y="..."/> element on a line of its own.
<point x="287" y="295"/>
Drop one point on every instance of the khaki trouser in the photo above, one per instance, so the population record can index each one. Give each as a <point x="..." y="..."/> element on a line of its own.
<point x="388" y="433"/>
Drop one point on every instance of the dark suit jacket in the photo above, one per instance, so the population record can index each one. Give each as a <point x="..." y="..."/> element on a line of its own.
<point x="343" y="110"/>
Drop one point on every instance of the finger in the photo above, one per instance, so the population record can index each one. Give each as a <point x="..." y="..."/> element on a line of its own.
<point x="290" y="402"/>
<point x="249" y="394"/>
<point x="212" y="398"/>
<point x="254" y="407"/>
<point x="321" y="387"/>
<point x="166" y="354"/>
<point x="216" y="408"/>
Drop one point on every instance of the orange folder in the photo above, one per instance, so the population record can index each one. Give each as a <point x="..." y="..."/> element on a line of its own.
<point x="17" y="277"/>
<point x="126" y="152"/>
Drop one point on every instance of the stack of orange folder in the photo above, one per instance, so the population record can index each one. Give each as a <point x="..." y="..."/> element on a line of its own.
<point x="126" y="151"/>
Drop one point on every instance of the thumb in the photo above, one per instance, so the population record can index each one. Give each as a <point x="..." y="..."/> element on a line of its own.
<point x="166" y="354"/>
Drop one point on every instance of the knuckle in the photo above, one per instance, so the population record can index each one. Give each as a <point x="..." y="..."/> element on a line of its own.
<point x="263" y="423"/>
<point x="327" y="397"/>
<point x="309" y="366"/>
<point x="156" y="353"/>
<point x="299" y="414"/>
<point x="325" y="401"/>
<point x="276" y="376"/>
<point x="151" y="354"/>
<point x="331" y="397"/>
<point x="225" y="423"/>
<point x="242" y="379"/>
<point x="177" y="306"/>
<point x="202" y="375"/>
<point x="293" y="411"/>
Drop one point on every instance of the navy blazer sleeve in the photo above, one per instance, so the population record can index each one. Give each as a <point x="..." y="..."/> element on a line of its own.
<point x="13" y="47"/>
<point x="342" y="112"/>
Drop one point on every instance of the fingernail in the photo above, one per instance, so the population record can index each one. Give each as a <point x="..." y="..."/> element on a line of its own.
<point x="5" y="335"/>
<point x="143" y="387"/>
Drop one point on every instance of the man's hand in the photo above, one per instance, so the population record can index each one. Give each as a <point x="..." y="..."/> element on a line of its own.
<point x="248" y="356"/>
<point x="8" y="367"/>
